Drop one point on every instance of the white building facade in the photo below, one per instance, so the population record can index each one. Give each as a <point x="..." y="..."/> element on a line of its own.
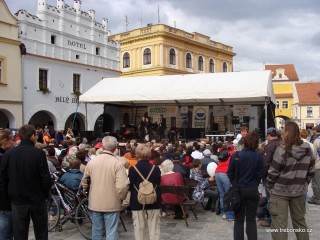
<point x="66" y="53"/>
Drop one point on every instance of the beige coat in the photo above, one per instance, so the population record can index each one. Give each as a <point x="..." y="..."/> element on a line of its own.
<point x="108" y="183"/>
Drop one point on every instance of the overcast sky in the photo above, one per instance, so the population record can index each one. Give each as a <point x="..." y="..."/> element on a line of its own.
<point x="260" y="31"/>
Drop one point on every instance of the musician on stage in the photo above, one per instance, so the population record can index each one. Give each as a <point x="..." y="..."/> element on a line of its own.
<point x="148" y="126"/>
<point x="162" y="126"/>
<point x="142" y="131"/>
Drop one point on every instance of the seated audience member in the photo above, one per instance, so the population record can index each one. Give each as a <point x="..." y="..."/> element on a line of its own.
<point x="132" y="157"/>
<point x="71" y="179"/>
<point x="52" y="158"/>
<point x="202" y="190"/>
<point x="206" y="159"/>
<point x="171" y="178"/>
<point x="178" y="167"/>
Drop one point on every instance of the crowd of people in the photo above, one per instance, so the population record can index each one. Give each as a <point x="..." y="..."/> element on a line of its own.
<point x="113" y="174"/>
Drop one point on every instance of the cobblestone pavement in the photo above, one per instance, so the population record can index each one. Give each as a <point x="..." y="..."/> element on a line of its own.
<point x="208" y="226"/>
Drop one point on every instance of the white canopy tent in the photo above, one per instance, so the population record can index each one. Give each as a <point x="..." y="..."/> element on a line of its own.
<point x="190" y="89"/>
<point x="252" y="87"/>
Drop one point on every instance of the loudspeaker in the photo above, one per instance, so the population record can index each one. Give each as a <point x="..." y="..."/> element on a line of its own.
<point x="235" y="120"/>
<point x="246" y="119"/>
<point x="215" y="127"/>
<point x="23" y="49"/>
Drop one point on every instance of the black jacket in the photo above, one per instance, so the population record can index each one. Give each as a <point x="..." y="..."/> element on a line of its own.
<point x="5" y="204"/>
<point x="24" y="174"/>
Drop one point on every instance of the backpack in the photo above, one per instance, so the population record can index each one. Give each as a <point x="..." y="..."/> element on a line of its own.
<point x="146" y="192"/>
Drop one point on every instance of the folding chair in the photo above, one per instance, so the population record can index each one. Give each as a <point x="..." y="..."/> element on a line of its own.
<point x="178" y="191"/>
<point x="192" y="183"/>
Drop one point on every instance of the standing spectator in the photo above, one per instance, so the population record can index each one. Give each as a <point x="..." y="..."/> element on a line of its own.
<point x="59" y="136"/>
<point x="6" y="232"/>
<point x="108" y="188"/>
<point x="149" y="216"/>
<point x="290" y="173"/>
<point x="25" y="178"/>
<point x="46" y="137"/>
<point x="273" y="141"/>
<point x="250" y="172"/>
<point x="243" y="131"/>
<point x="314" y="134"/>
<point x="315" y="199"/>
<point x="40" y="135"/>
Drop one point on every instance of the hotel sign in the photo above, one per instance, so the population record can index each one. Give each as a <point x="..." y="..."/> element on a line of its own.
<point x="76" y="44"/>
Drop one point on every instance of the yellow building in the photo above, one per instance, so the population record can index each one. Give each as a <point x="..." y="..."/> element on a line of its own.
<point x="283" y="77"/>
<point x="161" y="50"/>
<point x="10" y="70"/>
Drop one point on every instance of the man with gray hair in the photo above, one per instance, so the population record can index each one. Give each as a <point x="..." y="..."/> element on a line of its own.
<point x="107" y="189"/>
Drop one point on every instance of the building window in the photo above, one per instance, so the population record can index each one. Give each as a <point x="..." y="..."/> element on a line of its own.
<point x="172" y="56"/>
<point x="225" y="67"/>
<point x="97" y="51"/>
<point x="309" y="112"/>
<point x="126" y="60"/>
<point x="147" y="56"/>
<point x="284" y="104"/>
<point x="53" y="39"/>
<point x="77" y="56"/>
<point x="200" y="63"/>
<point x="280" y="75"/>
<point x="76" y="83"/>
<point x="211" y="66"/>
<point x="43" y="79"/>
<point x="188" y="60"/>
<point x="277" y="105"/>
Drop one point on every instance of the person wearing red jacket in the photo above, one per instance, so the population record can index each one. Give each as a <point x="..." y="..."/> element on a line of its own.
<point x="168" y="179"/>
<point x="223" y="181"/>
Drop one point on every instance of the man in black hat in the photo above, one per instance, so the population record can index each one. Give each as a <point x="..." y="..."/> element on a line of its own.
<point x="178" y="167"/>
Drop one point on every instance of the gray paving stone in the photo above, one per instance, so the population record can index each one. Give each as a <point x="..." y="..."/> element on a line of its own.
<point x="208" y="226"/>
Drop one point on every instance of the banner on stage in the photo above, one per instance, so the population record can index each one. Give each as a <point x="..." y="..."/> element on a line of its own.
<point x="241" y="110"/>
<point x="221" y="111"/>
<point x="169" y="111"/>
<point x="200" y="116"/>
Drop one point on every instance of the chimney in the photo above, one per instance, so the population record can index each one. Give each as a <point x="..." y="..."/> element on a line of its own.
<point x="60" y="4"/>
<point x="77" y="6"/>
<point x="105" y="23"/>
<point x="92" y="14"/>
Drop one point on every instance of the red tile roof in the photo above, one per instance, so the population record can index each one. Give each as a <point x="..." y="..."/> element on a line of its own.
<point x="308" y="93"/>
<point x="289" y="71"/>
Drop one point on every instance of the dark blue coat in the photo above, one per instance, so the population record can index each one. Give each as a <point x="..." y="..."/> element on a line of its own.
<point x="144" y="168"/>
<point x="250" y="168"/>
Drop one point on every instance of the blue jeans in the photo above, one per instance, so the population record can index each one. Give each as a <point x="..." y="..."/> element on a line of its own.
<point x="6" y="231"/>
<point x="110" y="220"/>
<point x="224" y="184"/>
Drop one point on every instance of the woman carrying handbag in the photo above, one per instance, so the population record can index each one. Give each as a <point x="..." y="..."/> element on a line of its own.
<point x="250" y="171"/>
